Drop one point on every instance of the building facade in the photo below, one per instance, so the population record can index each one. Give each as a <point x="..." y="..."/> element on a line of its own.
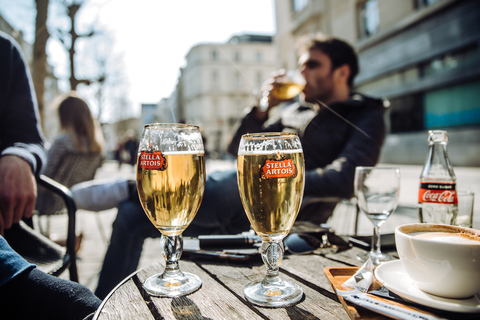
<point x="218" y="82"/>
<point x="423" y="55"/>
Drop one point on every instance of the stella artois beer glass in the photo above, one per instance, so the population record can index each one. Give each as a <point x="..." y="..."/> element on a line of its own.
<point x="270" y="179"/>
<point x="170" y="183"/>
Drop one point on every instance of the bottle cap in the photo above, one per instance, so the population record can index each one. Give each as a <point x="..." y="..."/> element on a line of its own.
<point x="437" y="136"/>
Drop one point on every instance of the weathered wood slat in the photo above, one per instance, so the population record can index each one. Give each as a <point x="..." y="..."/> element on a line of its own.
<point x="212" y="300"/>
<point x="314" y="305"/>
<point x="132" y="304"/>
<point x="309" y="268"/>
<point x="349" y="257"/>
<point x="221" y="295"/>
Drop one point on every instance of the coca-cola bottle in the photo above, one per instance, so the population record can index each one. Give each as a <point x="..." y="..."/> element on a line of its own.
<point x="437" y="198"/>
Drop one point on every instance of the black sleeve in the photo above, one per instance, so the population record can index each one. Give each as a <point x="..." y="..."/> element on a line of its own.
<point x="362" y="149"/>
<point x="34" y="294"/>
<point x="20" y="131"/>
<point x="248" y="124"/>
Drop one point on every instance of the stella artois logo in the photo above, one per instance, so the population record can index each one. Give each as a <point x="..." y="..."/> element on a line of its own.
<point x="280" y="167"/>
<point x="433" y="192"/>
<point x="152" y="160"/>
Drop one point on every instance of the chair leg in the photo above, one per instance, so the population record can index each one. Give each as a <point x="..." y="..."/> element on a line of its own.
<point x="72" y="269"/>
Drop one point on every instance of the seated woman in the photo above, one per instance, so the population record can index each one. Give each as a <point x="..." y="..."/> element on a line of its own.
<point x="79" y="132"/>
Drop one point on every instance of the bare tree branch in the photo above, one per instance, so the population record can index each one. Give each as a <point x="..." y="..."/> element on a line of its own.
<point x="39" y="63"/>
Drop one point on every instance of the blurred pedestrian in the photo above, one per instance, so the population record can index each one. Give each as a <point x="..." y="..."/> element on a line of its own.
<point x="131" y="146"/>
<point x="118" y="154"/>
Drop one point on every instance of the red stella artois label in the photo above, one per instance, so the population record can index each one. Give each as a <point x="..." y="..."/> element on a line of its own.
<point x="278" y="168"/>
<point x="435" y="192"/>
<point x="152" y="160"/>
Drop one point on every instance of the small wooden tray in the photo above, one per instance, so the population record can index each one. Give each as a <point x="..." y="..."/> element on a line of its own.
<point x="337" y="276"/>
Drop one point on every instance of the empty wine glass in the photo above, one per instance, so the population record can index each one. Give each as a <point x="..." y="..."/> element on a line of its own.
<point x="377" y="190"/>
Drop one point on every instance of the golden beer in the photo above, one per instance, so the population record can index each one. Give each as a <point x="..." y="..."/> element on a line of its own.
<point x="172" y="192"/>
<point x="271" y="188"/>
<point x="286" y="90"/>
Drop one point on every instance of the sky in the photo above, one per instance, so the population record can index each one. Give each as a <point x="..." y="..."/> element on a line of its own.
<point x="152" y="37"/>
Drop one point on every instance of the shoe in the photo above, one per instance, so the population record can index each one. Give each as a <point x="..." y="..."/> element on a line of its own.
<point x="62" y="241"/>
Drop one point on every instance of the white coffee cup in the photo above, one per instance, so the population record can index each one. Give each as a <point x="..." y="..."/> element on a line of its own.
<point x="442" y="260"/>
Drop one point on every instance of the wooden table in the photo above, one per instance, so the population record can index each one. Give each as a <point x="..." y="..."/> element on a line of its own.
<point x="221" y="294"/>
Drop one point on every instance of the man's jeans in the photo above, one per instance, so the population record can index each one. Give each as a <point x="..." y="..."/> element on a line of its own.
<point x="221" y="212"/>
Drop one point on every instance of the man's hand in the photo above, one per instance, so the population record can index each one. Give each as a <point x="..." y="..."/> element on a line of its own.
<point x="18" y="191"/>
<point x="265" y="90"/>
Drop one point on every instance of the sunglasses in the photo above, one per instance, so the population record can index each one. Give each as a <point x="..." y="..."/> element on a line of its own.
<point x="302" y="243"/>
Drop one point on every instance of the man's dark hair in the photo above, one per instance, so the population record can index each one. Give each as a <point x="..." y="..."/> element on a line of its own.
<point x="339" y="52"/>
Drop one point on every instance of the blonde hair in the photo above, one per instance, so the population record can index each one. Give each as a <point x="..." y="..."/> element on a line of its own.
<point x="77" y="121"/>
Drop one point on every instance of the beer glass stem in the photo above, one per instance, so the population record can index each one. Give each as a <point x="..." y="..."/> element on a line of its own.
<point x="272" y="255"/>
<point x="172" y="250"/>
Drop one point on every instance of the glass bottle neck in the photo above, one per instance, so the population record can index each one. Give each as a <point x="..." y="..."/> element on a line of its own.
<point x="438" y="166"/>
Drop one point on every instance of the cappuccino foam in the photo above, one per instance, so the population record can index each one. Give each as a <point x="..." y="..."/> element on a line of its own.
<point x="449" y="237"/>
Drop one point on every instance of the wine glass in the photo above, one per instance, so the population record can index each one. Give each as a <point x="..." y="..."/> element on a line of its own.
<point x="170" y="183"/>
<point x="283" y="86"/>
<point x="270" y="180"/>
<point x="377" y="190"/>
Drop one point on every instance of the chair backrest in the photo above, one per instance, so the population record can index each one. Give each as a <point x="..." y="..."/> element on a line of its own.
<point x="75" y="167"/>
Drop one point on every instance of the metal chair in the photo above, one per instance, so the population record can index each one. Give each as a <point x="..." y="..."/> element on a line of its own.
<point x="40" y="250"/>
<point x="75" y="167"/>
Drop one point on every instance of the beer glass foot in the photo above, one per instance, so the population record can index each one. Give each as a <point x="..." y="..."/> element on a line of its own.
<point x="161" y="286"/>
<point x="273" y="296"/>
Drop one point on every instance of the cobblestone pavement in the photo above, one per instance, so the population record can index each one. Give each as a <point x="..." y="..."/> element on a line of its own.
<point x="95" y="224"/>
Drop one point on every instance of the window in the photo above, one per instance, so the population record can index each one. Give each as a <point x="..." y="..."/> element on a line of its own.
<point x="405" y="114"/>
<point x="214" y="55"/>
<point x="236" y="56"/>
<point x="299" y="5"/>
<point x="424" y="3"/>
<point x="259" y="79"/>
<point x="464" y="58"/>
<point x="453" y="106"/>
<point x="237" y="81"/>
<point x="258" y="56"/>
<point x="368" y="18"/>
<point x="214" y="78"/>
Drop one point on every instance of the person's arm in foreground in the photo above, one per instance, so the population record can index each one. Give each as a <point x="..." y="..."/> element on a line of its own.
<point x="21" y="139"/>
<point x="28" y="293"/>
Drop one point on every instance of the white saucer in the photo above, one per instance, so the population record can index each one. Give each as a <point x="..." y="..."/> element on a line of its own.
<point x="392" y="275"/>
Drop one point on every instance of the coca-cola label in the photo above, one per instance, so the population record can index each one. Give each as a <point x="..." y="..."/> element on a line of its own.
<point x="278" y="168"/>
<point x="152" y="160"/>
<point x="436" y="192"/>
